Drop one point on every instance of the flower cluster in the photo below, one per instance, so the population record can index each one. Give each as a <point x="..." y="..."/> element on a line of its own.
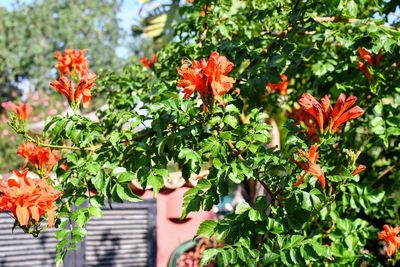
<point x="328" y="119"/>
<point x="390" y="236"/>
<point x="74" y="64"/>
<point x="310" y="166"/>
<point x="82" y="91"/>
<point x="22" y="110"/>
<point x="208" y="78"/>
<point x="41" y="157"/>
<point x="280" y="87"/>
<point x="28" y="199"/>
<point x="367" y="58"/>
<point x="147" y="63"/>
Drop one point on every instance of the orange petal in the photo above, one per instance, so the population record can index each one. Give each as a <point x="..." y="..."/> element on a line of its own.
<point x="35" y="213"/>
<point x="351" y="114"/>
<point x="50" y="217"/>
<point x="22" y="215"/>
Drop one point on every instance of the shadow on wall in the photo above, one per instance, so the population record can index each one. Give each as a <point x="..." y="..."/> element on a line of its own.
<point x="110" y="253"/>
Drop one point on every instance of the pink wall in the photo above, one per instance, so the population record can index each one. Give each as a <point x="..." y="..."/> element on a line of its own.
<point x="171" y="231"/>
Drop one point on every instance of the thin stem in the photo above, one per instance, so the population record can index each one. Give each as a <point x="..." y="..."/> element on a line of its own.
<point x="235" y="150"/>
<point x="140" y="136"/>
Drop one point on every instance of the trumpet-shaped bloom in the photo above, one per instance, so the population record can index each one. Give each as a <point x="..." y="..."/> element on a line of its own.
<point x="83" y="91"/>
<point x="328" y="118"/>
<point x="358" y="170"/>
<point x="280" y="87"/>
<point x="193" y="79"/>
<point x="216" y="69"/>
<point x="41" y="157"/>
<point x="208" y="78"/>
<point x="65" y="87"/>
<point x="310" y="165"/>
<point x="367" y="58"/>
<point x="22" y="110"/>
<point x="390" y="236"/>
<point x="28" y="199"/>
<point x="72" y="61"/>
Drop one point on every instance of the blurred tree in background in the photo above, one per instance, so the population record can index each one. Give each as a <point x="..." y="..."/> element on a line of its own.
<point x="31" y="33"/>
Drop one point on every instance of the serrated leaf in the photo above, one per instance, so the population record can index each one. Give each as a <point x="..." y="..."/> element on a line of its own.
<point x="156" y="181"/>
<point x="242" y="207"/>
<point x="117" y="171"/>
<point x="62" y="234"/>
<point x="191" y="201"/>
<point x="125" y="193"/>
<point x="126" y="177"/>
<point x="231" y="121"/>
<point x="208" y="255"/>
<point x="95" y="211"/>
<point x="206" y="228"/>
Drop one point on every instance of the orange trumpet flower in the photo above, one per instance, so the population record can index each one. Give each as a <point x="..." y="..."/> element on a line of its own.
<point x="390" y="236"/>
<point x="28" y="199"/>
<point x="147" y="63"/>
<point x="367" y="57"/>
<point x="280" y="87"/>
<point x="41" y="157"/>
<point x="358" y="170"/>
<point x="83" y="91"/>
<point x="22" y="110"/>
<point x="311" y="165"/>
<point x="208" y="78"/>
<point x="73" y="61"/>
<point x="326" y="118"/>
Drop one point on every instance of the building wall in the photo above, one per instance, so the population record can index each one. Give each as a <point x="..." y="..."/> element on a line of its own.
<point x="171" y="231"/>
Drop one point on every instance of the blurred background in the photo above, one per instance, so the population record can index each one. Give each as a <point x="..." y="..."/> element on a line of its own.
<point x="115" y="32"/>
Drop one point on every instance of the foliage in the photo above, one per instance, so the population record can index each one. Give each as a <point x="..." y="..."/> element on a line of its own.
<point x="43" y="105"/>
<point x="148" y="124"/>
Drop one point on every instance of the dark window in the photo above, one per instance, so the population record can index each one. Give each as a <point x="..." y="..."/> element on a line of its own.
<point x="124" y="236"/>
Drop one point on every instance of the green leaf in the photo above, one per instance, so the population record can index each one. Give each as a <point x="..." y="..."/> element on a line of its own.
<point x="156" y="181"/>
<point x="231" y="121"/>
<point x="242" y="207"/>
<point x="208" y="255"/>
<point x="62" y="234"/>
<point x="254" y="215"/>
<point x="93" y="167"/>
<point x="125" y="193"/>
<point x="117" y="171"/>
<point x="126" y="177"/>
<point x="80" y="200"/>
<point x="99" y="181"/>
<point x="95" y="211"/>
<point x="114" y="138"/>
<point x="206" y="228"/>
<point x="352" y="9"/>
<point x="191" y="201"/>
<point x="81" y="232"/>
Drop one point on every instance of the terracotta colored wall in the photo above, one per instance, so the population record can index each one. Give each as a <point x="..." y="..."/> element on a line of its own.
<point x="171" y="231"/>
